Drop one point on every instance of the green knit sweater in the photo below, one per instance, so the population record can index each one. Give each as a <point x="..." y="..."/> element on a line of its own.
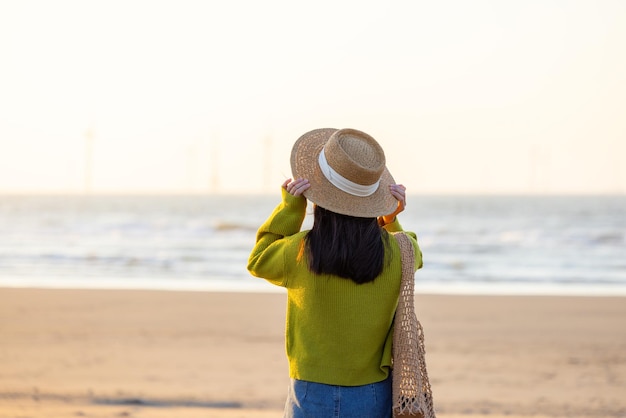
<point x="337" y="332"/>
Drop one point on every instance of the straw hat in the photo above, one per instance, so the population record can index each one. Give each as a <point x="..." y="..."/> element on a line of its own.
<point x="346" y="169"/>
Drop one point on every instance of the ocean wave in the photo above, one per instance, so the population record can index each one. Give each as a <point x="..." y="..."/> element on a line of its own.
<point x="531" y="241"/>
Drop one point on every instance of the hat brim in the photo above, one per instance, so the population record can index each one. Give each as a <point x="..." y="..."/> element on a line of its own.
<point x="304" y="164"/>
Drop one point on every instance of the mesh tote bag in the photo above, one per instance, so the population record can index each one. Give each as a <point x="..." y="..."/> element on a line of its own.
<point x="412" y="395"/>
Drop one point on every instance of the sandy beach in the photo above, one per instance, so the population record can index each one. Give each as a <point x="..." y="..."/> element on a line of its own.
<point x="110" y="353"/>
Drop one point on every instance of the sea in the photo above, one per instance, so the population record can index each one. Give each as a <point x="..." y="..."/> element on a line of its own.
<point x="494" y="245"/>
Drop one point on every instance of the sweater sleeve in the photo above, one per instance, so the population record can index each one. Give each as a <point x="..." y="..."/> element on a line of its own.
<point x="396" y="227"/>
<point x="273" y="243"/>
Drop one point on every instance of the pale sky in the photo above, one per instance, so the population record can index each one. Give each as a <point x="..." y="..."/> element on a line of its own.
<point x="199" y="96"/>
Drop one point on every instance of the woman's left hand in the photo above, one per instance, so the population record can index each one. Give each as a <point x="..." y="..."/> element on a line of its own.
<point x="296" y="187"/>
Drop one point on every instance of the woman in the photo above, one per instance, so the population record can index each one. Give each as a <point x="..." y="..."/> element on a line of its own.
<point x="342" y="276"/>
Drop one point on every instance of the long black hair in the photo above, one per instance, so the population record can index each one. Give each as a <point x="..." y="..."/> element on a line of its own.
<point x="346" y="246"/>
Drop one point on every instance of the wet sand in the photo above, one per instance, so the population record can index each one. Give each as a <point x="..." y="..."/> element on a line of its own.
<point x="100" y="353"/>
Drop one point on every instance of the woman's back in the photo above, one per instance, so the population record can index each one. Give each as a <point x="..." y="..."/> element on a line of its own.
<point x="338" y="330"/>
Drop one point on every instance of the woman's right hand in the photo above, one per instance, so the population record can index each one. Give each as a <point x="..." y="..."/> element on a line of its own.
<point x="296" y="187"/>
<point x="399" y="192"/>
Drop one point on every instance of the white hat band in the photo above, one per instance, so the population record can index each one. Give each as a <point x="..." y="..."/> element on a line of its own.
<point x="343" y="183"/>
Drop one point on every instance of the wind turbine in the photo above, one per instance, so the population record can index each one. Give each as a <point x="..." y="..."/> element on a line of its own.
<point x="90" y="135"/>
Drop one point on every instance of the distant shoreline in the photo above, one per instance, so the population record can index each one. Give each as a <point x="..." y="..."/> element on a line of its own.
<point x="261" y="287"/>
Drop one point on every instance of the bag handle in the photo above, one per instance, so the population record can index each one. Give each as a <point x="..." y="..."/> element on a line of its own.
<point x="412" y="394"/>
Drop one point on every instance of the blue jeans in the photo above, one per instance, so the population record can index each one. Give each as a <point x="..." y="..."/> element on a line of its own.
<point x="317" y="400"/>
